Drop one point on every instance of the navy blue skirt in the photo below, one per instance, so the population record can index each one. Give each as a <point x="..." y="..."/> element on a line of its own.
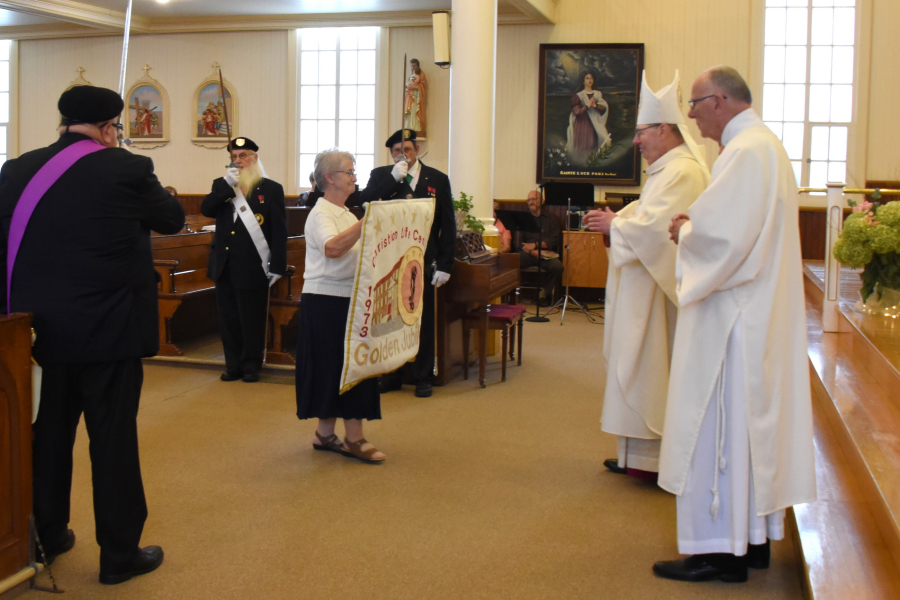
<point x="320" y="360"/>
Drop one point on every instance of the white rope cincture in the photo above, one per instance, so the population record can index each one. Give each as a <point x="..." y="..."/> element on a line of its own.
<point x="721" y="462"/>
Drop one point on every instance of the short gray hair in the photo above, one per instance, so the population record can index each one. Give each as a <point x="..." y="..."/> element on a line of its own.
<point x="730" y="83"/>
<point x="329" y="161"/>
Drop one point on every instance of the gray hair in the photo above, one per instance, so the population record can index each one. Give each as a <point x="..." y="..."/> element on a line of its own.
<point x="329" y="161"/>
<point x="730" y="83"/>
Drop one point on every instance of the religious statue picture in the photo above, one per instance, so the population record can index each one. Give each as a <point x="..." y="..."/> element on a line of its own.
<point x="147" y="113"/>
<point x="588" y="105"/>
<point x="414" y="99"/>
<point x="208" y="112"/>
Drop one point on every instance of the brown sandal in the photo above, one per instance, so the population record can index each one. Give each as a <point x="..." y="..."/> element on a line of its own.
<point x="354" y="450"/>
<point x="330" y="444"/>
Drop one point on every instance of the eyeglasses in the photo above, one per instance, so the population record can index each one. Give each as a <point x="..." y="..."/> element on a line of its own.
<point x="351" y="172"/>
<point x="118" y="126"/>
<point x="638" y="132"/>
<point x="244" y="155"/>
<point x="693" y="103"/>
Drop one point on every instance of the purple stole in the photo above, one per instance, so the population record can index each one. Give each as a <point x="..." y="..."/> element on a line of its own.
<point x="34" y="191"/>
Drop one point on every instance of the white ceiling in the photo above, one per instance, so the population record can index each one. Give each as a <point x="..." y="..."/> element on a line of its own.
<point x="193" y="8"/>
<point x="23" y="19"/>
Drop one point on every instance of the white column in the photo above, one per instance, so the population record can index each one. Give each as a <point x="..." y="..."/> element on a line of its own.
<point x="835" y="223"/>
<point x="473" y="57"/>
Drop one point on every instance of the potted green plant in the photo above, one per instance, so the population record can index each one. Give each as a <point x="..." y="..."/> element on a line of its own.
<point x="465" y="221"/>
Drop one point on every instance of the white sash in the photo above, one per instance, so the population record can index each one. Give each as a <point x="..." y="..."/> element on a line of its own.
<point x="256" y="233"/>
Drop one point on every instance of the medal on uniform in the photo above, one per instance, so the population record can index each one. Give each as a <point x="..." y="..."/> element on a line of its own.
<point x="259" y="218"/>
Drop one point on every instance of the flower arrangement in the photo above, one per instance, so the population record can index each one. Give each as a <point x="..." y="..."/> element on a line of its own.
<point x="465" y="221"/>
<point x="871" y="240"/>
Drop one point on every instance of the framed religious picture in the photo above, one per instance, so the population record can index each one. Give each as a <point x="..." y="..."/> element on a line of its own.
<point x="209" y="110"/>
<point x="147" y="113"/>
<point x="587" y="110"/>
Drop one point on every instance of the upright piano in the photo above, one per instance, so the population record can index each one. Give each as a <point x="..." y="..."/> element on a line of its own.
<point x="477" y="279"/>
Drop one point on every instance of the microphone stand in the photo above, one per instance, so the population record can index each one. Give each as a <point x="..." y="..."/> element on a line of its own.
<point x="568" y="298"/>
<point x="538" y="318"/>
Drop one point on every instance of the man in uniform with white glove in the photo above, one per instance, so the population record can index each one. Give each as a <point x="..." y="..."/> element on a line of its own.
<point x="249" y="255"/>
<point x="410" y="178"/>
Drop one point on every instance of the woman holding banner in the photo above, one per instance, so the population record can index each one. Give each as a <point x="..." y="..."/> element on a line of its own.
<point x="332" y="253"/>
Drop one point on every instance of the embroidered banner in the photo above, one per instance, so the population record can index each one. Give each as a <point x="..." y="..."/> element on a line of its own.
<point x="386" y="307"/>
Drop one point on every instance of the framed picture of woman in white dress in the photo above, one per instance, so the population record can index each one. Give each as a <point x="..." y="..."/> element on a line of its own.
<point x="587" y="110"/>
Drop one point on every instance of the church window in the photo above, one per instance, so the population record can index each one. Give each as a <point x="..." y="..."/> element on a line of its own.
<point x="337" y="95"/>
<point x="808" y="71"/>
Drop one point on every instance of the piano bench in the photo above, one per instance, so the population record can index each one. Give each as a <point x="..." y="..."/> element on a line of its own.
<point x="492" y="317"/>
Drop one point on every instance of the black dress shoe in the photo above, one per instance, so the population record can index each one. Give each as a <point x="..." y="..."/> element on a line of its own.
<point x="389" y="384"/>
<point x="758" y="555"/>
<point x="147" y="559"/>
<point x="230" y="376"/>
<point x="423" y="389"/>
<point x="704" y="567"/>
<point x="250" y="377"/>
<point x="613" y="465"/>
<point x="52" y="553"/>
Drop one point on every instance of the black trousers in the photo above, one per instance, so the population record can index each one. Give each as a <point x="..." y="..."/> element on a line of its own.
<point x="108" y="394"/>
<point x="242" y="323"/>
<point x="551" y="270"/>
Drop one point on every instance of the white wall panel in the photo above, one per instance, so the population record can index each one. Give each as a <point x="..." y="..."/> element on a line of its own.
<point x="255" y="62"/>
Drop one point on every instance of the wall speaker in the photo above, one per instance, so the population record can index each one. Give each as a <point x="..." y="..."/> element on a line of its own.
<point x="440" y="21"/>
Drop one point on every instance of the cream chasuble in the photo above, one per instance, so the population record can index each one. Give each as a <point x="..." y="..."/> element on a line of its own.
<point x="739" y="263"/>
<point x="640" y="303"/>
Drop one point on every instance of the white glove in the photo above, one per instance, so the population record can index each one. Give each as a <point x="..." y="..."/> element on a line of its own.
<point x="401" y="168"/>
<point x="273" y="277"/>
<point x="440" y="278"/>
<point x="232" y="174"/>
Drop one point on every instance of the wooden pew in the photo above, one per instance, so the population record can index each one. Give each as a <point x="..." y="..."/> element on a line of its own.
<point x="284" y="304"/>
<point x="187" y="304"/>
<point x="15" y="449"/>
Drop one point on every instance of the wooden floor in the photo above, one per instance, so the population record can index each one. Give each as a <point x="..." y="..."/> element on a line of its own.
<point x="850" y="537"/>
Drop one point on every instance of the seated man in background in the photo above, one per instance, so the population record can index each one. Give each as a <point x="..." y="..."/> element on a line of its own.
<point x="548" y="237"/>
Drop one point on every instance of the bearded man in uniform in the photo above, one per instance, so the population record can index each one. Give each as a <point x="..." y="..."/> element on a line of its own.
<point x="249" y="255"/>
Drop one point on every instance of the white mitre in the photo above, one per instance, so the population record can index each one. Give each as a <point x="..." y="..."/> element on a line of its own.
<point x="664" y="106"/>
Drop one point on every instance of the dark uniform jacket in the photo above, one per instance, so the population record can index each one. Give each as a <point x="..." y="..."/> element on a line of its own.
<point x="232" y="240"/>
<point x="432" y="184"/>
<point x="84" y="267"/>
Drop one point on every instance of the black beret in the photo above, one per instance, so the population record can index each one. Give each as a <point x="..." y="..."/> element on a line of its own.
<point x="242" y="143"/>
<point x="399" y="136"/>
<point x="89" y="104"/>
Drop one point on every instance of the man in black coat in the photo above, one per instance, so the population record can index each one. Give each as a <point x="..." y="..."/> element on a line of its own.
<point x="249" y="254"/>
<point x="410" y="178"/>
<point x="85" y="271"/>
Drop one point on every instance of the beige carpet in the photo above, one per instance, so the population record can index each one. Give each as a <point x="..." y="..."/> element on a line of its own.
<point x="494" y="493"/>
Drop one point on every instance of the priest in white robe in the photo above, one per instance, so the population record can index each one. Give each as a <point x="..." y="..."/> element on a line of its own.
<point x="737" y="447"/>
<point x="641" y="303"/>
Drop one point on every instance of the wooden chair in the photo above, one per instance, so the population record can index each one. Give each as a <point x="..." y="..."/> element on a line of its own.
<point x="492" y="317"/>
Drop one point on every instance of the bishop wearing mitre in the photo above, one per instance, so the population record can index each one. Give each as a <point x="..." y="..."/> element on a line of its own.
<point x="641" y="302"/>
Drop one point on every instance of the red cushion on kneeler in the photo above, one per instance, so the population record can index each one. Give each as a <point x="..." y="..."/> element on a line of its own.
<point x="500" y="312"/>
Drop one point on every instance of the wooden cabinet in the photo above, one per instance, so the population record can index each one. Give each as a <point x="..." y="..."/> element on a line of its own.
<point x="15" y="442"/>
<point x="587" y="262"/>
